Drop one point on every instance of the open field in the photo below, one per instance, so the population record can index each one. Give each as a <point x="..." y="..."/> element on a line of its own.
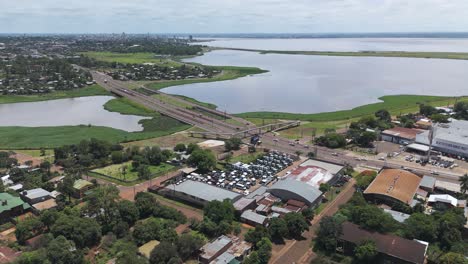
<point x="127" y="107"/>
<point x="92" y="90"/>
<point x="247" y="158"/>
<point x="227" y="73"/>
<point x="131" y="58"/>
<point x="396" y="104"/>
<point x="34" y="152"/>
<point x="115" y="171"/>
<point x="168" y="141"/>
<point x="402" y="54"/>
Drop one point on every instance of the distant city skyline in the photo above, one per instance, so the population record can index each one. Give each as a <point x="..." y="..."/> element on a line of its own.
<point x="233" y="16"/>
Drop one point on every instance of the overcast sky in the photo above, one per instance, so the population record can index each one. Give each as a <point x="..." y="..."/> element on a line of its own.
<point x="232" y="16"/>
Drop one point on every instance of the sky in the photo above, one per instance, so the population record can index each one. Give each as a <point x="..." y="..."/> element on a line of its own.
<point x="232" y="16"/>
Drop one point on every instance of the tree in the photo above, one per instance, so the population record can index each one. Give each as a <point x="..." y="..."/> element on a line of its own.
<point x="62" y="251"/>
<point x="117" y="157"/>
<point x="128" y="212"/>
<point x="163" y="252"/>
<point x="102" y="204"/>
<point x="308" y="214"/>
<point x="383" y="115"/>
<point x="366" y="138"/>
<point x="324" y="187"/>
<point x="191" y="147"/>
<point x="232" y="144"/>
<point x="218" y="211"/>
<point x="255" y="235"/>
<point x="84" y="232"/>
<point x="264" y="250"/>
<point x="440" y="118"/>
<point x="180" y="147"/>
<point x="464" y="183"/>
<point x="427" y="110"/>
<point x="329" y="231"/>
<point x="28" y="228"/>
<point x="453" y="258"/>
<point x="366" y="251"/>
<point x="33" y="257"/>
<point x="296" y="224"/>
<point x="422" y="227"/>
<point x="145" y="203"/>
<point x="144" y="172"/>
<point x="332" y="140"/>
<point x="253" y="258"/>
<point x="66" y="186"/>
<point x="187" y="244"/>
<point x="278" y="229"/>
<point x="204" y="160"/>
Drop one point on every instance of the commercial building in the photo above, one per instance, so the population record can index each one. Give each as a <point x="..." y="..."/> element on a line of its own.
<point x="244" y="204"/>
<point x="315" y="172"/>
<point x="400" y="135"/>
<point x="451" y="138"/>
<point x="391" y="248"/>
<point x="393" y="186"/>
<point x="198" y="193"/>
<point x="287" y="189"/>
<point x="11" y="206"/>
<point x="428" y="183"/>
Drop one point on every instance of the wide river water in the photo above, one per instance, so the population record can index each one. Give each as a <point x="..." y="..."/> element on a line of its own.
<point x="67" y="112"/>
<point x="345" y="44"/>
<point x="312" y="84"/>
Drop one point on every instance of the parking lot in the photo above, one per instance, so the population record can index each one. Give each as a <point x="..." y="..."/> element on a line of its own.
<point x="245" y="178"/>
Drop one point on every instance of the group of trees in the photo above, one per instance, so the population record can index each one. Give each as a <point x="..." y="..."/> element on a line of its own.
<point x="461" y="110"/>
<point x="37" y="75"/>
<point x="203" y="159"/>
<point x="331" y="140"/>
<point x="441" y="229"/>
<point x="232" y="144"/>
<point x="80" y="228"/>
<point x="433" y="113"/>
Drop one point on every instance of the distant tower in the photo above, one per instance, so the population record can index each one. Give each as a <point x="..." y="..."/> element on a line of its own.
<point x="432" y="132"/>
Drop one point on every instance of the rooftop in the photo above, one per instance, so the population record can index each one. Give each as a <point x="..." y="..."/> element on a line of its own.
<point x="146" y="249"/>
<point x="398" y="184"/>
<point x="203" y="191"/>
<point x="398" y="216"/>
<point x="211" y="249"/>
<point x="8" y="255"/>
<point x="443" y="198"/>
<point x="48" y="204"/>
<point x="80" y="184"/>
<point x="8" y="202"/>
<point x="456" y="131"/>
<point x="250" y="215"/>
<point x="242" y="203"/>
<point x="36" y="193"/>
<point x="428" y="182"/>
<point x="402" y="132"/>
<point x="303" y="192"/>
<point x="330" y="167"/>
<point x="411" y="251"/>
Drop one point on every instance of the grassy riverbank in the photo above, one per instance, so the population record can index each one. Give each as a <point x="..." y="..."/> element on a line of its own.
<point x="227" y="73"/>
<point x="92" y="90"/>
<point x="402" y="54"/>
<point x="396" y="104"/>
<point x="131" y="58"/>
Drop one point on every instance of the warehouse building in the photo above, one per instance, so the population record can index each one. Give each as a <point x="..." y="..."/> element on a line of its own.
<point x="287" y="189"/>
<point x="451" y="138"/>
<point x="198" y="193"/>
<point x="393" y="186"/>
<point x="315" y="172"/>
<point x="400" y="135"/>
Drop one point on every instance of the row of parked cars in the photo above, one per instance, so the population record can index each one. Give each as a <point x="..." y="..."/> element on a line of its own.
<point x="241" y="177"/>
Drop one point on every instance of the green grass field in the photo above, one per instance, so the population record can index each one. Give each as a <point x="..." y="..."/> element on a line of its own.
<point x="127" y="107"/>
<point x="401" y="54"/>
<point x="396" y="104"/>
<point x="91" y="90"/>
<point x="131" y="58"/>
<point x="116" y="171"/>
<point x="247" y="158"/>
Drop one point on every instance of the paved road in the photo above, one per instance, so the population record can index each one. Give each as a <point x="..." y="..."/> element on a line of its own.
<point x="300" y="251"/>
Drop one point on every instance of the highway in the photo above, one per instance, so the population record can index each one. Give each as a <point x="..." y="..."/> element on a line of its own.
<point x="269" y="140"/>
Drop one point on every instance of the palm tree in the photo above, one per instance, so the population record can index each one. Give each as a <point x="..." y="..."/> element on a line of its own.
<point x="464" y="183"/>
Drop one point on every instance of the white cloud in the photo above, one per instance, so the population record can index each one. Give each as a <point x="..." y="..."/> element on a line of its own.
<point x="198" y="16"/>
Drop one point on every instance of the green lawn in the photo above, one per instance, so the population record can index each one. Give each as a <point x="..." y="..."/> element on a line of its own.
<point x="128" y="107"/>
<point x="247" y="158"/>
<point x="116" y="171"/>
<point x="131" y="58"/>
<point x="91" y="90"/>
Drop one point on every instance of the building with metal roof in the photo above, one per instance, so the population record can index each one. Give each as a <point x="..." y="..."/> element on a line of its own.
<point x="224" y="250"/>
<point x="11" y="206"/>
<point x="451" y="138"/>
<point x="35" y="195"/>
<point x="287" y="189"/>
<point x="391" y="248"/>
<point x="245" y="203"/>
<point x="198" y="192"/>
<point x="315" y="172"/>
<point x="428" y="183"/>
<point x="398" y="216"/>
<point x="215" y="248"/>
<point x="400" y="135"/>
<point x="252" y="218"/>
<point x="393" y="185"/>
